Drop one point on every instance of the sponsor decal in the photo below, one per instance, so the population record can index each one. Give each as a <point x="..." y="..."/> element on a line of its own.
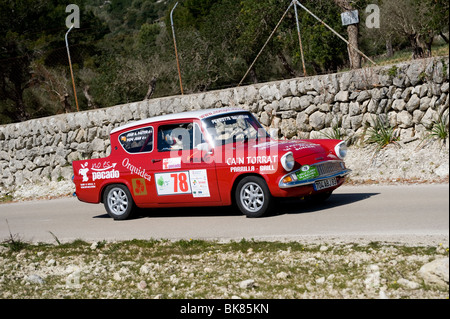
<point x="83" y="172"/>
<point x="300" y="146"/>
<point x="105" y="175"/>
<point x="229" y="118"/>
<point x="267" y="168"/>
<point x="87" y="185"/>
<point x="172" y="163"/>
<point x="136" y="170"/>
<point x="241" y="169"/>
<point x="100" y="167"/>
<point x="101" y="170"/>
<point x="307" y="172"/>
<point x="252" y="160"/>
<point x="173" y="183"/>
<point x="224" y="110"/>
<point x="139" y="187"/>
<point x="193" y="182"/>
<point x="199" y="183"/>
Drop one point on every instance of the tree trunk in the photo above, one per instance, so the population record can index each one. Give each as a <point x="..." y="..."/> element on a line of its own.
<point x="151" y="89"/>
<point x="443" y="37"/>
<point x="389" y="50"/>
<point x="253" y="76"/>
<point x="286" y="65"/>
<point x="65" y="102"/>
<point x="88" y="97"/>
<point x="352" y="31"/>
<point x="21" y="114"/>
<point x="417" y="49"/>
<point x="355" y="58"/>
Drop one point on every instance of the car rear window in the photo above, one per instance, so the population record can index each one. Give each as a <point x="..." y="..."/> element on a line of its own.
<point x="137" y="141"/>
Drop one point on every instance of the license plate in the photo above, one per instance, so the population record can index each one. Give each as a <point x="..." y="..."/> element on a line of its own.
<point x="326" y="183"/>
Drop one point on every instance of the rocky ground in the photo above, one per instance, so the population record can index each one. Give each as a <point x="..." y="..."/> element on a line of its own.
<point x="203" y="269"/>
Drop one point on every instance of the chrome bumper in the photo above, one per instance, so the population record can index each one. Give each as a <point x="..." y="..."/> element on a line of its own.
<point x="324" y="170"/>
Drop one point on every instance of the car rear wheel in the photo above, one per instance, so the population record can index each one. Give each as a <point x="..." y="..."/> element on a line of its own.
<point x="253" y="197"/>
<point x="118" y="202"/>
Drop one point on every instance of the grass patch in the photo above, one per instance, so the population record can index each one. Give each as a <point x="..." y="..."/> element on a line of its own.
<point x="437" y="49"/>
<point x="6" y="198"/>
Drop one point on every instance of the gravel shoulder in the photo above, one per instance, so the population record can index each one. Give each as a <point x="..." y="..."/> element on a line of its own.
<point x="196" y="269"/>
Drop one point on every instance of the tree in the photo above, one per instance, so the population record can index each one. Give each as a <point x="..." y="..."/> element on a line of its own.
<point x="31" y="52"/>
<point x="417" y="21"/>
<point x="352" y="31"/>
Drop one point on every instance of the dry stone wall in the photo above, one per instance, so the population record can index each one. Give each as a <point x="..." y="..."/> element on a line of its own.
<point x="410" y="96"/>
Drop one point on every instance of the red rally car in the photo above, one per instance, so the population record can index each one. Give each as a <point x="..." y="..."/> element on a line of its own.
<point x="214" y="157"/>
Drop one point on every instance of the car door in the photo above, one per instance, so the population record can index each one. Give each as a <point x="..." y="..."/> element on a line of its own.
<point x="138" y="146"/>
<point x="183" y="174"/>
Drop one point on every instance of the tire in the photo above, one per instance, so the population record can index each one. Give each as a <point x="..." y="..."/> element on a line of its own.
<point x="118" y="202"/>
<point x="253" y="197"/>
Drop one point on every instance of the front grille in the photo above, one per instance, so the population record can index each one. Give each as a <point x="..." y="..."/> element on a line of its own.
<point x="329" y="168"/>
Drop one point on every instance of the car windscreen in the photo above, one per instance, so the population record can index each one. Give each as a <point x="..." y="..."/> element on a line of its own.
<point x="228" y="128"/>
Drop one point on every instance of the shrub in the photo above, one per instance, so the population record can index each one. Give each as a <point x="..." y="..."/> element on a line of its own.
<point x="382" y="134"/>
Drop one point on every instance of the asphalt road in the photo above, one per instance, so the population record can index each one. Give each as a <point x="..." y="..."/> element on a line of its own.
<point x="409" y="214"/>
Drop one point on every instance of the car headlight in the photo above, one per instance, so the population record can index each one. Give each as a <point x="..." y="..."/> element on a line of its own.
<point x="288" y="161"/>
<point x="341" y="150"/>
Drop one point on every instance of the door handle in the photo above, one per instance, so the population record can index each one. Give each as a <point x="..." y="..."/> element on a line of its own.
<point x="156" y="160"/>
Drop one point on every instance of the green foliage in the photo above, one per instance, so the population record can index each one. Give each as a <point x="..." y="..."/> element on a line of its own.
<point x="123" y="47"/>
<point x="32" y="53"/>
<point x="440" y="128"/>
<point x="382" y="134"/>
<point x="335" y="133"/>
<point x="392" y="72"/>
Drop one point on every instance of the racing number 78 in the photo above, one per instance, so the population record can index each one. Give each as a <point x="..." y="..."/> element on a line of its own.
<point x="180" y="181"/>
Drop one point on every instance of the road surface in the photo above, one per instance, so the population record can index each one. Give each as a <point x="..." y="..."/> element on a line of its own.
<point x="409" y="214"/>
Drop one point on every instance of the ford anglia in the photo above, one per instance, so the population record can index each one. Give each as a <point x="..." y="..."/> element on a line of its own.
<point x="215" y="157"/>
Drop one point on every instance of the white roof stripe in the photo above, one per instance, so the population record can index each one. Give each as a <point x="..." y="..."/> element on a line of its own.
<point x="199" y="114"/>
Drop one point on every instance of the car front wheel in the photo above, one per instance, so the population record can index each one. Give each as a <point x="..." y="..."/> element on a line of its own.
<point x="253" y="196"/>
<point x="118" y="202"/>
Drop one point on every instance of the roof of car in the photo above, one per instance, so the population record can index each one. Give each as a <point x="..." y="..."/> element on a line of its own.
<point x="198" y="114"/>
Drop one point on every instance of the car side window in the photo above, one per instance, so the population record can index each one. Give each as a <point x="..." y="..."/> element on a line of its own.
<point x="198" y="136"/>
<point x="138" y="140"/>
<point x="175" y="137"/>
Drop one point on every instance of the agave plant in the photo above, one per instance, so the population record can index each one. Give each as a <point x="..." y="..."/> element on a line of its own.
<point x="334" y="133"/>
<point x="382" y="134"/>
<point x="440" y="128"/>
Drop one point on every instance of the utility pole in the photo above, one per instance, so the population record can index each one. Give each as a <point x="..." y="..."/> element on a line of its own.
<point x="175" y="44"/>
<point x="71" y="70"/>
<point x="300" y="41"/>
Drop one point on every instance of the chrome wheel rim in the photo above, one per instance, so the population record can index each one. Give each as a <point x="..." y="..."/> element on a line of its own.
<point x="252" y="197"/>
<point x="117" y="201"/>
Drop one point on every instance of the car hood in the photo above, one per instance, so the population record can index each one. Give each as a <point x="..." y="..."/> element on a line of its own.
<point x="299" y="148"/>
